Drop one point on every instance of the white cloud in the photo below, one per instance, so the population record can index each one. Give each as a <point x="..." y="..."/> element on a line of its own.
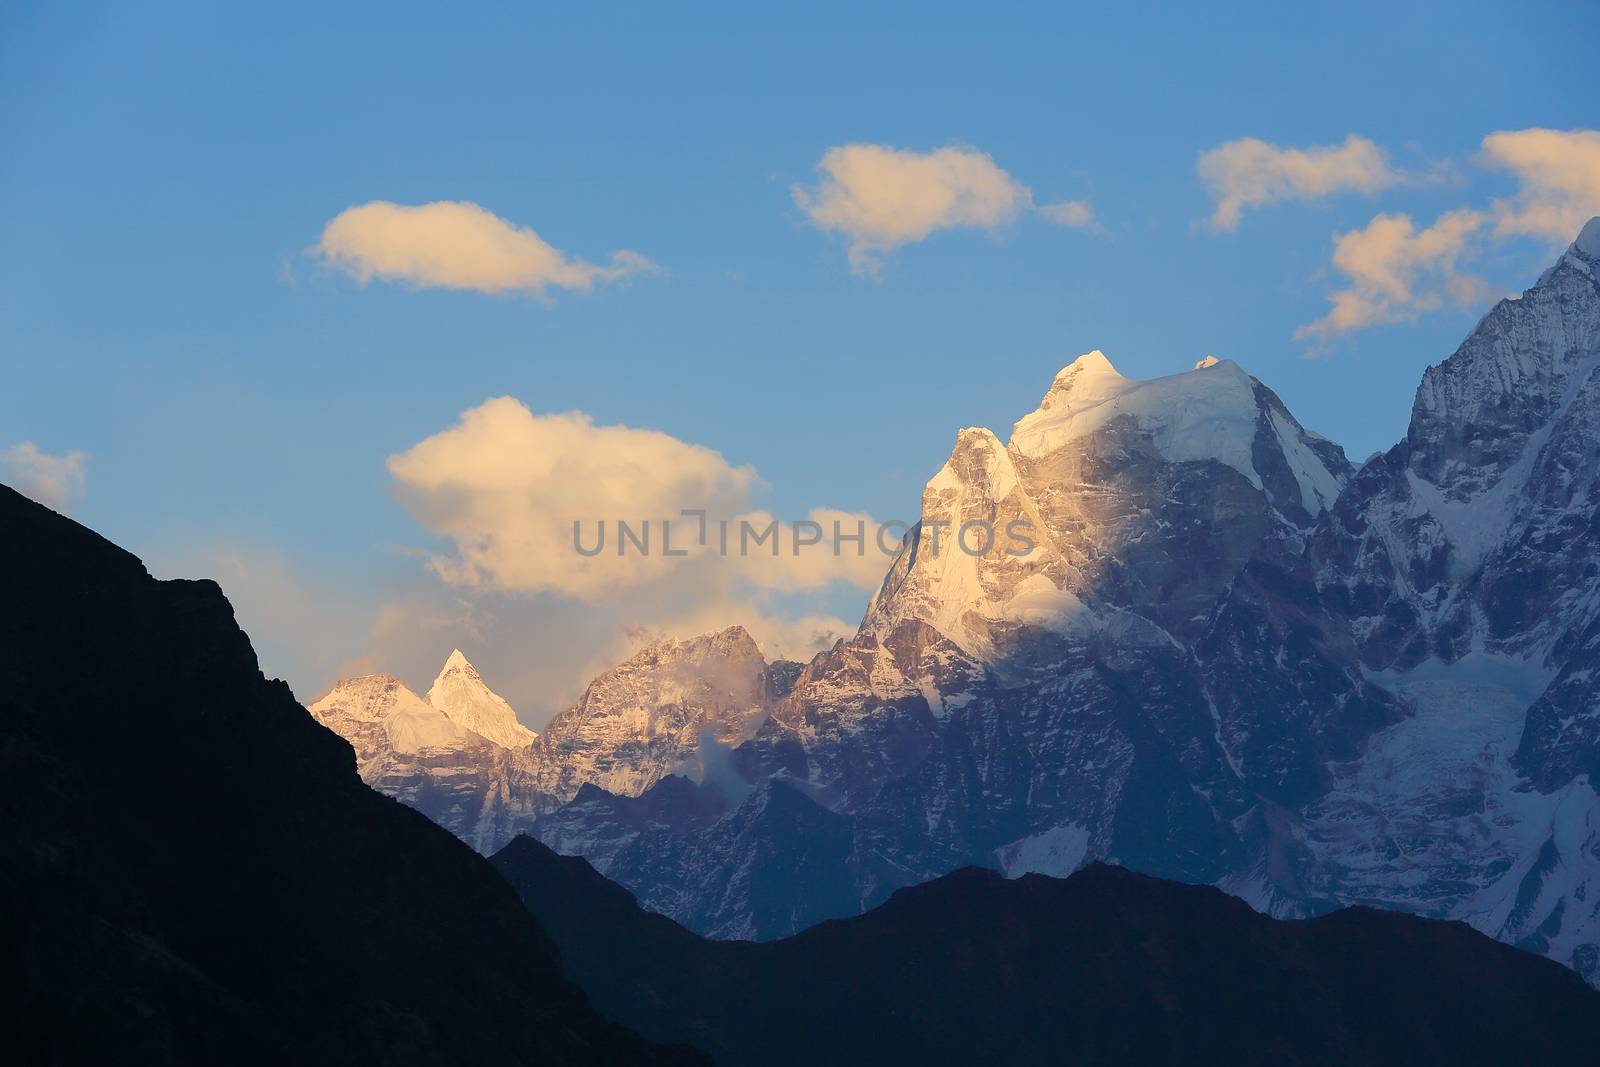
<point x="881" y="197"/>
<point x="458" y="245"/>
<point x="54" y="481"/>
<point x="1068" y="213"/>
<point x="1396" y="272"/>
<point x="507" y="487"/>
<point x="1251" y="173"/>
<point x="1560" y="175"/>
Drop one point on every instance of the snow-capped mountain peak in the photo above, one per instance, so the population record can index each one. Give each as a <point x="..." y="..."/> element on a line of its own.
<point x="1084" y="382"/>
<point x="1212" y="412"/>
<point x="1107" y="469"/>
<point x="377" y="704"/>
<point x="461" y="694"/>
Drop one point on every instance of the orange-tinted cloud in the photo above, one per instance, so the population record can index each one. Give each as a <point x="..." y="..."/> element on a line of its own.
<point x="458" y="245"/>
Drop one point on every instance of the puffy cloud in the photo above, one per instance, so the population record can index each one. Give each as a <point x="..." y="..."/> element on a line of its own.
<point x="1396" y="271"/>
<point x="1251" y="173"/>
<point x="881" y="197"/>
<point x="458" y="245"/>
<point x="1560" y="175"/>
<point x="54" y="481"/>
<point x="536" y="504"/>
<point x="506" y="486"/>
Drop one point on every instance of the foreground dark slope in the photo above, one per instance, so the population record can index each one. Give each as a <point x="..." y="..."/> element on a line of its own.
<point x="194" y="873"/>
<point x="1107" y="966"/>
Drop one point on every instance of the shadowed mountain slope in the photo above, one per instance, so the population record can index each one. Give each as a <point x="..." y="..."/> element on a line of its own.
<point x="195" y="874"/>
<point x="1106" y="966"/>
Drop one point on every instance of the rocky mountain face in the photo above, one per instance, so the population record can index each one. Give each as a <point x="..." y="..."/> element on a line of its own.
<point x="1224" y="657"/>
<point x="651" y="715"/>
<point x="195" y="874"/>
<point x="1457" y="574"/>
<point x="1105" y="967"/>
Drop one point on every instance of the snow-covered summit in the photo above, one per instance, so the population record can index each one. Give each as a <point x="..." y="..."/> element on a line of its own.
<point x="461" y="694"/>
<point x="1109" y="482"/>
<point x="1211" y="412"/>
<point x="458" y="710"/>
<point x="382" y="704"/>
<point x="1085" y="381"/>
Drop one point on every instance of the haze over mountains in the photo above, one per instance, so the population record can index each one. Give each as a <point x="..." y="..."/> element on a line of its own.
<point x="1232" y="658"/>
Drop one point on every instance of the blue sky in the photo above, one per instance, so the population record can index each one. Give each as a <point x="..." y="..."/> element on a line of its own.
<point x="165" y="171"/>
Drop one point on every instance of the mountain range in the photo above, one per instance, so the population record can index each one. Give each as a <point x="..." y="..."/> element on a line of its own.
<point x="1233" y="658"/>
<point x="196" y="875"/>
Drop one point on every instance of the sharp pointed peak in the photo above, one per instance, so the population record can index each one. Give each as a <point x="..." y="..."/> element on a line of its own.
<point x="1086" y="380"/>
<point x="1094" y="362"/>
<point x="456" y="659"/>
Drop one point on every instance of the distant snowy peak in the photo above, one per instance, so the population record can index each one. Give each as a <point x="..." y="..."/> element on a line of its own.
<point x="461" y="694"/>
<point x="357" y="706"/>
<point x="459" y="710"/>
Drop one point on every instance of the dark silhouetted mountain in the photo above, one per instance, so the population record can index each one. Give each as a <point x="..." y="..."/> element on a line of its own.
<point x="1104" y="967"/>
<point x="194" y="873"/>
